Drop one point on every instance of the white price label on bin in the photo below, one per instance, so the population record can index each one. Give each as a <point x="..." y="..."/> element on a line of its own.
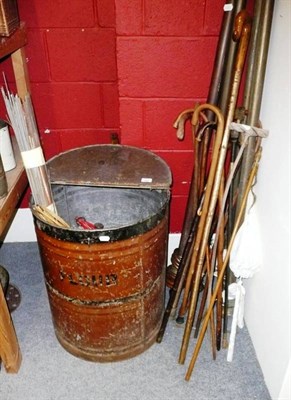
<point x="146" y="180"/>
<point x="104" y="238"/>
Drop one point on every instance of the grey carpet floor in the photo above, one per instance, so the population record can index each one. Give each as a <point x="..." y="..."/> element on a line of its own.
<point x="48" y="372"/>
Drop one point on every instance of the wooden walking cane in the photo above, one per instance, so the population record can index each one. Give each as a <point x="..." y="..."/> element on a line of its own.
<point x="238" y="5"/>
<point x="9" y="349"/>
<point x="192" y="200"/>
<point x="179" y="280"/>
<point x="219" y="266"/>
<point x="193" y="196"/>
<point x="212" y="323"/>
<point x="241" y="32"/>
<point x="252" y="176"/>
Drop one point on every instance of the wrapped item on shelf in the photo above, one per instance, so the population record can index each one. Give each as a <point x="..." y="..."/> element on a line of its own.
<point x="22" y="119"/>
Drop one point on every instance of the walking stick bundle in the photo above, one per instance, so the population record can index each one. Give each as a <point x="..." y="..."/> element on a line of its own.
<point x="217" y="198"/>
<point x="201" y="241"/>
<point x="242" y="33"/>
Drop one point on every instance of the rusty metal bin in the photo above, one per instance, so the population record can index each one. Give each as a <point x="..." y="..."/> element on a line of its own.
<point x="106" y="286"/>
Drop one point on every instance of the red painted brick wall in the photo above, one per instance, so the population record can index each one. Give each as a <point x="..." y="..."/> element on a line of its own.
<point x="165" y="52"/>
<point x="103" y="66"/>
<point x="72" y="66"/>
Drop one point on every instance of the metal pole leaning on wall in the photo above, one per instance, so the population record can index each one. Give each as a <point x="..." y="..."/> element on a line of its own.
<point x="255" y="82"/>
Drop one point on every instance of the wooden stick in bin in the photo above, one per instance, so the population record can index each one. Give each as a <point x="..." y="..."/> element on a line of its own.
<point x="50" y="217"/>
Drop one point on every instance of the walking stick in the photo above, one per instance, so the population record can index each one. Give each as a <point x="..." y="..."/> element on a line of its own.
<point x="179" y="280"/>
<point x="252" y="176"/>
<point x="238" y="5"/>
<point x="193" y="196"/>
<point x="220" y="236"/>
<point x="241" y="33"/>
<point x="196" y="255"/>
<point x="212" y="324"/>
<point x="176" y="257"/>
<point x="202" y="302"/>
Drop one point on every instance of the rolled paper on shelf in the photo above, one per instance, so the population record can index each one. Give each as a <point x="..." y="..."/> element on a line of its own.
<point x="22" y="119"/>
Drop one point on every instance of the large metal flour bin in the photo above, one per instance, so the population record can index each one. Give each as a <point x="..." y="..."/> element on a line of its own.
<point x="106" y="286"/>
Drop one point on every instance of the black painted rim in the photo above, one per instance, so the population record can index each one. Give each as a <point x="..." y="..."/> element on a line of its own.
<point x="102" y="235"/>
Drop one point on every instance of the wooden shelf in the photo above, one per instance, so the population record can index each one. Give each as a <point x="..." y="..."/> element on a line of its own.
<point x="17" y="183"/>
<point x="13" y="47"/>
<point x="17" y="40"/>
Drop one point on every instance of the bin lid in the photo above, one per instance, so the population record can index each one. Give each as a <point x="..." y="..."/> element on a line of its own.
<point x="111" y="166"/>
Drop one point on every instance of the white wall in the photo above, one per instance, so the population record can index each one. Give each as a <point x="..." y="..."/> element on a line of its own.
<point x="268" y="292"/>
<point x="21" y="229"/>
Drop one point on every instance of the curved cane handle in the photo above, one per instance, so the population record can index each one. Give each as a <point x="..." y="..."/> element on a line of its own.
<point x="203" y="129"/>
<point x="206" y="106"/>
<point x="180" y="121"/>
